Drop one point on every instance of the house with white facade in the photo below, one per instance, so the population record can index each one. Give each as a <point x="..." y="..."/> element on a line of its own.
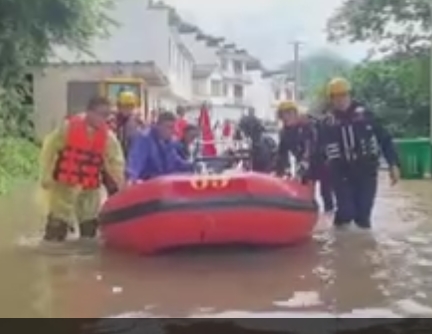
<point x="221" y="75"/>
<point x="144" y="44"/>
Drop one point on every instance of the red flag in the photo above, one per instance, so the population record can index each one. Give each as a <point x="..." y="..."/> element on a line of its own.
<point x="208" y="148"/>
<point x="227" y="130"/>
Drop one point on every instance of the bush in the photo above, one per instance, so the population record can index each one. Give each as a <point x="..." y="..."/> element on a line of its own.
<point x="18" y="162"/>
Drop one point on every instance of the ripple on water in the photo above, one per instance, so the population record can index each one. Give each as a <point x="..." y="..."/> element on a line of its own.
<point x="383" y="274"/>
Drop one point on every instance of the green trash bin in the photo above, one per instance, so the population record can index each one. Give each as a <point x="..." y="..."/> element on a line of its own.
<point x="415" y="157"/>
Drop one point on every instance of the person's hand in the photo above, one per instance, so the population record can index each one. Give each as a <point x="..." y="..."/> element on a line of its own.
<point x="45" y="184"/>
<point x="394" y="174"/>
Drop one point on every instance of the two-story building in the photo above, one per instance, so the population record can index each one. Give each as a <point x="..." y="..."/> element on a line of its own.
<point x="221" y="75"/>
<point x="144" y="44"/>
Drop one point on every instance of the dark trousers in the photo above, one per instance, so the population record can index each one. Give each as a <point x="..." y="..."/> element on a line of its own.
<point x="327" y="193"/>
<point x="355" y="197"/>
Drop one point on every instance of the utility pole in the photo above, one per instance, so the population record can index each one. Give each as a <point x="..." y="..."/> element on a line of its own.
<point x="297" y="73"/>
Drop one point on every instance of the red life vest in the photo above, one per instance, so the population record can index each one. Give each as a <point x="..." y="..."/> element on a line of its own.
<point x="80" y="162"/>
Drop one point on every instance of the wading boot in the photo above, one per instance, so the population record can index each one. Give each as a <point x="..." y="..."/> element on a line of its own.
<point x="88" y="229"/>
<point x="363" y="225"/>
<point x="342" y="226"/>
<point x="55" y="230"/>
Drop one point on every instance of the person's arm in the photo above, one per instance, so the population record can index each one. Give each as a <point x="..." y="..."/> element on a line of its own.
<point x="137" y="157"/>
<point x="52" y="145"/>
<point x="385" y="141"/>
<point x="282" y="158"/>
<point x="114" y="162"/>
<point x="181" y="164"/>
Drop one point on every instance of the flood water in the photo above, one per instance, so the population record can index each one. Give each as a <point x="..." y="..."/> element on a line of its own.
<point x="385" y="273"/>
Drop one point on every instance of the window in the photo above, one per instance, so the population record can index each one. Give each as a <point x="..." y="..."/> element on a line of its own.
<point x="238" y="91"/>
<point x="224" y="64"/>
<point x="216" y="88"/>
<point x="238" y="67"/>
<point x="277" y="94"/>
<point x="225" y="90"/>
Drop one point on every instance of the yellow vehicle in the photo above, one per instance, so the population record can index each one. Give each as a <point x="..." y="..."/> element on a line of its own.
<point x="112" y="87"/>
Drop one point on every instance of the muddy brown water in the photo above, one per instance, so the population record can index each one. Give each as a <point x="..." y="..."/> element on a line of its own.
<point x="386" y="273"/>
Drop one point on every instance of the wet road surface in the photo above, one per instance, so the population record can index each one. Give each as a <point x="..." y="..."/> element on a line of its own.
<point x="386" y="273"/>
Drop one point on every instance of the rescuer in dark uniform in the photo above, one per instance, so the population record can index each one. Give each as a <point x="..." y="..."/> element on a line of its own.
<point x="318" y="169"/>
<point x="352" y="139"/>
<point x="295" y="138"/>
<point x="263" y="147"/>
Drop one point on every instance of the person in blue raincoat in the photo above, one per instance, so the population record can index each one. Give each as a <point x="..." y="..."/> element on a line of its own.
<point x="353" y="139"/>
<point x="153" y="152"/>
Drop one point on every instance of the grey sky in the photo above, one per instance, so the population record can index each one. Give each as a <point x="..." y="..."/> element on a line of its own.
<point x="264" y="27"/>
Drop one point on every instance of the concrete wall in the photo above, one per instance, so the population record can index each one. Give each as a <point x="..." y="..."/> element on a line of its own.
<point x="201" y="52"/>
<point x="180" y="68"/>
<point x="220" y="111"/>
<point x="142" y="34"/>
<point x="50" y="89"/>
<point x="260" y="95"/>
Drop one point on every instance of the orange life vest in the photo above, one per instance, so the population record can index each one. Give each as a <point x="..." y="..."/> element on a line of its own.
<point x="80" y="162"/>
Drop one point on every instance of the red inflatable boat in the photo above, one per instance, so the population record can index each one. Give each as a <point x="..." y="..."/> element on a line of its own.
<point x="186" y="210"/>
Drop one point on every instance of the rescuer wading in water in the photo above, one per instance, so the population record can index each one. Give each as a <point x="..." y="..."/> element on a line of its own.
<point x="352" y="140"/>
<point x="72" y="160"/>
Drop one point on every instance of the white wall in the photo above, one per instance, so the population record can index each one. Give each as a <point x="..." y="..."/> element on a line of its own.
<point x="181" y="64"/>
<point x="202" y="53"/>
<point x="142" y="34"/>
<point x="260" y="95"/>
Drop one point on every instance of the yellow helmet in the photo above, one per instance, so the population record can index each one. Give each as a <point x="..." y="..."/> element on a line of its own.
<point x="338" y="86"/>
<point x="287" y="106"/>
<point x="127" y="98"/>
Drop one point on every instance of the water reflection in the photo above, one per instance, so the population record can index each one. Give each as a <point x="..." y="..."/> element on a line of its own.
<point x="385" y="273"/>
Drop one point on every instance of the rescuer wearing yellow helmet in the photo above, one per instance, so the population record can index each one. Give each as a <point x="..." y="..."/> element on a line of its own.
<point x="127" y="119"/>
<point x="294" y="139"/>
<point x="287" y="112"/>
<point x="352" y="139"/>
<point x="127" y="102"/>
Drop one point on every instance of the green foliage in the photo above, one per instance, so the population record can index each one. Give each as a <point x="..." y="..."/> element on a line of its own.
<point x="18" y="161"/>
<point x="397" y="26"/>
<point x="30" y="29"/>
<point x="319" y="68"/>
<point x="398" y="90"/>
<point x="397" y="87"/>
<point x="29" y="32"/>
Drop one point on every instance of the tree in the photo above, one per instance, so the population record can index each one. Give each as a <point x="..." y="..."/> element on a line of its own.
<point x="318" y="68"/>
<point x="398" y="26"/>
<point x="397" y="86"/>
<point x="30" y="29"/>
<point x="398" y="91"/>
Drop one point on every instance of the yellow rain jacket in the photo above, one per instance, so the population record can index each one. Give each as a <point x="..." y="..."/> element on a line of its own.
<point x="73" y="204"/>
